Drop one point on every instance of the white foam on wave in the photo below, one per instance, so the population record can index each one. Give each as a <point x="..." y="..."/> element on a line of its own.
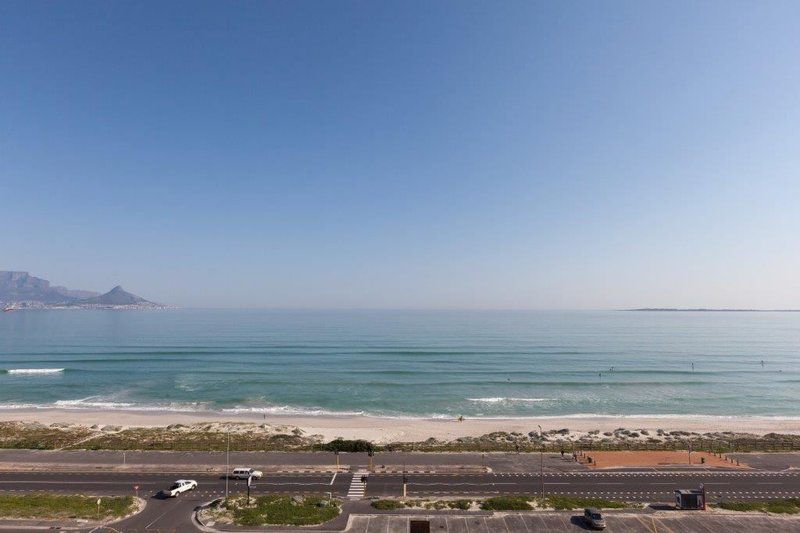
<point x="34" y="370"/>
<point x="89" y="402"/>
<point x="100" y="404"/>
<point x="96" y="402"/>
<point x="289" y="410"/>
<point x="510" y="400"/>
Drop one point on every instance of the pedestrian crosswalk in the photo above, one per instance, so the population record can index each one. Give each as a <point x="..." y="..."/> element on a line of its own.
<point x="357" y="486"/>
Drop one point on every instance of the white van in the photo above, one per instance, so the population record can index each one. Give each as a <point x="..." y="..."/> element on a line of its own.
<point x="241" y="472"/>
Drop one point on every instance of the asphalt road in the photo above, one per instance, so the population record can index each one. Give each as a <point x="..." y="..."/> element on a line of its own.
<point x="635" y="486"/>
<point x="174" y="514"/>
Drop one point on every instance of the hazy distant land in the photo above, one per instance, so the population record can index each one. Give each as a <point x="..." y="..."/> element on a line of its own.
<point x="713" y="310"/>
<point x="20" y="290"/>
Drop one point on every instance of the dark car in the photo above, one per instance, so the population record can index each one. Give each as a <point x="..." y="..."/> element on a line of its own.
<point x="593" y="518"/>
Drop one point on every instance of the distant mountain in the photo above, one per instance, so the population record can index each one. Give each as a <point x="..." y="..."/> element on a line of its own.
<point x="22" y="287"/>
<point x="116" y="296"/>
<point x="714" y="310"/>
<point x="26" y="291"/>
<point x="79" y="294"/>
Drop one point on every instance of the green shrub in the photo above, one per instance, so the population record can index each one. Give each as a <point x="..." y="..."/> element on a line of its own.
<point x="507" y="503"/>
<point x="387" y="505"/>
<point x="342" y="445"/>
<point x="464" y="505"/>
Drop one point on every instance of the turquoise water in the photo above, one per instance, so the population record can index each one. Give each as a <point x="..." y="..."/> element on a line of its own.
<point x="404" y="363"/>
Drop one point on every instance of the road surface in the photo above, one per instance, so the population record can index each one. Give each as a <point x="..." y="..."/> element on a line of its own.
<point x="175" y="514"/>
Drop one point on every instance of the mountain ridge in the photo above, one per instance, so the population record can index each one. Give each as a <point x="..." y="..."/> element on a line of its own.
<point x="21" y="290"/>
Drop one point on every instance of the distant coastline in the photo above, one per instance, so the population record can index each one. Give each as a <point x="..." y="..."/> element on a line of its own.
<point x="713" y="310"/>
<point x="19" y="290"/>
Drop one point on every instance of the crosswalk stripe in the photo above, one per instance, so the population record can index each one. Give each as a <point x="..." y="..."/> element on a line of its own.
<point x="357" y="488"/>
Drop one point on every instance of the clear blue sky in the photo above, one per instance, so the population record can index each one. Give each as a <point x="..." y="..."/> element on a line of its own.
<point x="405" y="155"/>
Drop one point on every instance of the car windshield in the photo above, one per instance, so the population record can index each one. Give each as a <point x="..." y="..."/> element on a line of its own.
<point x="175" y="485"/>
<point x="597" y="516"/>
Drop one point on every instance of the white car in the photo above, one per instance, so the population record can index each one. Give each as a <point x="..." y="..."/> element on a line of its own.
<point x="241" y="472"/>
<point x="179" y="487"/>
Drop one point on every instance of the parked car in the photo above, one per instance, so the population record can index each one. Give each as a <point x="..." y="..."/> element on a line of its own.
<point x="241" y="472"/>
<point x="179" y="487"/>
<point x="593" y="518"/>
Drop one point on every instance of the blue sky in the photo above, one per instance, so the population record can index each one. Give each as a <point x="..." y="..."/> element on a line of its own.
<point x="405" y="155"/>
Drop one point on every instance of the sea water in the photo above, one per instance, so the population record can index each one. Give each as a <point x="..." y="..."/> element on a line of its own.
<point x="404" y="363"/>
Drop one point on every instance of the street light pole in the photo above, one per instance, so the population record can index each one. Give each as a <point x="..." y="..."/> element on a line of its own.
<point x="227" y="464"/>
<point x="405" y="481"/>
<point x="541" y="458"/>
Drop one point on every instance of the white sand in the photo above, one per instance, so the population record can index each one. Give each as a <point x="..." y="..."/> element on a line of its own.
<point x="384" y="430"/>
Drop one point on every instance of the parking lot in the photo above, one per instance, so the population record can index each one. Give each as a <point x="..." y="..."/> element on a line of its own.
<point x="672" y="522"/>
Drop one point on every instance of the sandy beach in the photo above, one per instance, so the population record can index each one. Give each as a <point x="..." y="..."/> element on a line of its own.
<point x="386" y="430"/>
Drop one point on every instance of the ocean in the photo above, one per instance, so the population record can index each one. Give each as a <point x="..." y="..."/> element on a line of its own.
<point x="405" y="363"/>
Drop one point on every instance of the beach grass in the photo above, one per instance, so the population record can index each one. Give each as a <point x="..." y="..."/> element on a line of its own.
<point x="195" y="439"/>
<point x="32" y="436"/>
<point x="254" y="437"/>
<point x="58" y="506"/>
<point x="282" y="509"/>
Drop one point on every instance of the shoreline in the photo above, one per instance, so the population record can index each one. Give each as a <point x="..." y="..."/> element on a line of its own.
<point x="384" y="430"/>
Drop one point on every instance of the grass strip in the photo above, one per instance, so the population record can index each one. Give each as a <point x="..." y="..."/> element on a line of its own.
<point x="785" y="506"/>
<point x="282" y="509"/>
<point x="564" y="503"/>
<point x="47" y="505"/>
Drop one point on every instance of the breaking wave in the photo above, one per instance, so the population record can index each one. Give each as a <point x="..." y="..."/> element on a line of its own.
<point x="33" y="371"/>
<point x="510" y="400"/>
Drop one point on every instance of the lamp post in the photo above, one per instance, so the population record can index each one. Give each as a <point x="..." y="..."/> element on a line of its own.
<point x="541" y="458"/>
<point x="227" y="464"/>
<point x="405" y="481"/>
